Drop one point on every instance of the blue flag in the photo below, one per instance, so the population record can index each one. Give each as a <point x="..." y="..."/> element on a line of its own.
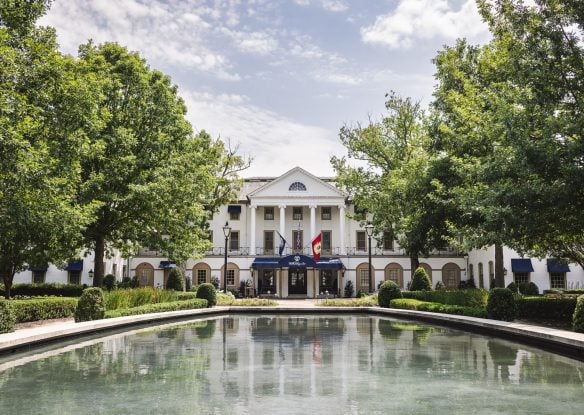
<point x="282" y="244"/>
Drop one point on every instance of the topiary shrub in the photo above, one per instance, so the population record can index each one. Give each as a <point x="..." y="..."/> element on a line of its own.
<point x="388" y="291"/>
<point x="208" y="292"/>
<point x="501" y="304"/>
<point x="91" y="305"/>
<point x="578" y="317"/>
<point x="7" y="317"/>
<point x="176" y="280"/>
<point x="109" y="282"/>
<point x="420" y="280"/>
<point x="528" y="288"/>
<point x="349" y="290"/>
<point x="513" y="287"/>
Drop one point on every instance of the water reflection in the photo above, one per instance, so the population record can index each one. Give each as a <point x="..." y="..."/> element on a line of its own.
<point x="293" y="364"/>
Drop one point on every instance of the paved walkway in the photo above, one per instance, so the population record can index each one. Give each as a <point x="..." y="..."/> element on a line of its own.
<point x="563" y="341"/>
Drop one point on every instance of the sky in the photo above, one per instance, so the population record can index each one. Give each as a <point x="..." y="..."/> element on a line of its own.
<point x="279" y="78"/>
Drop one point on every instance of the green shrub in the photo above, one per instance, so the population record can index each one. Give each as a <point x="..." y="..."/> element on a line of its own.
<point x="182" y="296"/>
<point x="39" y="290"/>
<point x="439" y="286"/>
<point x="46" y="308"/>
<point x="91" y="305"/>
<point x="158" y="308"/>
<point x="578" y="318"/>
<point x="176" y="280"/>
<point x="544" y="308"/>
<point x="109" y="282"/>
<point x="7" y="317"/>
<point x="501" y="304"/>
<point x="387" y="292"/>
<point x="128" y="282"/>
<point x="528" y="288"/>
<point x="466" y="298"/>
<point x="513" y="287"/>
<point x="349" y="289"/>
<point x="413" y="304"/>
<point x="420" y="280"/>
<point x="208" y="292"/>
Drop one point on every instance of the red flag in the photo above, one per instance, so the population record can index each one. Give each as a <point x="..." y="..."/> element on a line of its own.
<point x="316" y="247"/>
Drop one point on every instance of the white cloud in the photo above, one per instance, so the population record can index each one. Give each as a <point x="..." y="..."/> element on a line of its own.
<point x="259" y="43"/>
<point x="276" y="143"/>
<point x="330" y="5"/>
<point x="414" y="20"/>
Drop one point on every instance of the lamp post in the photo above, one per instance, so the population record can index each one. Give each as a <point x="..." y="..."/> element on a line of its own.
<point x="90" y="273"/>
<point x="226" y="232"/>
<point x="369" y="230"/>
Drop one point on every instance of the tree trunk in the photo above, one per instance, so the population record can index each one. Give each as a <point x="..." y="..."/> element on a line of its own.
<point x="414" y="262"/>
<point x="7" y="278"/>
<point x="499" y="270"/>
<point x="98" y="269"/>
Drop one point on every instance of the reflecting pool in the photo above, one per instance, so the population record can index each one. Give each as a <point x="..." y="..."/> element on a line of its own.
<point x="292" y="364"/>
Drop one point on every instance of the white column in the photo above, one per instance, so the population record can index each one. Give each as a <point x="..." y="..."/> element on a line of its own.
<point x="252" y="237"/>
<point x="312" y="222"/>
<point x="283" y="220"/>
<point x="342" y="228"/>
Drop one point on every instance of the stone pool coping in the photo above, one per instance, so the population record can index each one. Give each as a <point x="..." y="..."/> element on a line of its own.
<point x="559" y="341"/>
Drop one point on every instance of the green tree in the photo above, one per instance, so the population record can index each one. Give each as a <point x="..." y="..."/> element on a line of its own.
<point x="155" y="181"/>
<point x="42" y="114"/>
<point x="399" y="185"/>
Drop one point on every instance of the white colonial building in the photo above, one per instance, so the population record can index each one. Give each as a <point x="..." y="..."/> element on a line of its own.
<point x="294" y="208"/>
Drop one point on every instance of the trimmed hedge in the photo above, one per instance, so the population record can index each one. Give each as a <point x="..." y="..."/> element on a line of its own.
<point x="182" y="296"/>
<point x="209" y="293"/>
<point x="420" y="280"/>
<point x="43" y="308"/>
<point x="388" y="291"/>
<point x="545" y="308"/>
<point x="158" y="307"/>
<point x="466" y="298"/>
<point x="7" y="318"/>
<point x="91" y="305"/>
<point x="529" y="288"/>
<point x="501" y="304"/>
<point x="39" y="290"/>
<point x="578" y="319"/>
<point x="413" y="304"/>
<point x="176" y="280"/>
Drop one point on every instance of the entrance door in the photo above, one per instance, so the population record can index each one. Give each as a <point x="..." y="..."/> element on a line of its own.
<point x="296" y="281"/>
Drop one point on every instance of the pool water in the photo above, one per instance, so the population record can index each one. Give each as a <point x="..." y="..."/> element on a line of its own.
<point x="292" y="364"/>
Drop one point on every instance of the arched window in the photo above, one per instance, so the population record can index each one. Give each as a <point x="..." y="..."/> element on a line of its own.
<point x="145" y="274"/>
<point x="297" y="187"/>
<point x="362" y="277"/>
<point x="201" y="273"/>
<point x="232" y="276"/>
<point x="395" y="272"/>
<point x="451" y="275"/>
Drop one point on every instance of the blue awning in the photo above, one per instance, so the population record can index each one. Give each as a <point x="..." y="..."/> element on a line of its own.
<point x="38" y="268"/>
<point x="297" y="261"/>
<point x="556" y="266"/>
<point x="521" y="265"/>
<point x="330" y="263"/>
<point x="167" y="264"/>
<point x="266" y="263"/>
<point x="75" y="266"/>
<point x="234" y="209"/>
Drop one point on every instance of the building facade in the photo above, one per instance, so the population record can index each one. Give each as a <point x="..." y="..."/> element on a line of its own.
<point x="272" y="225"/>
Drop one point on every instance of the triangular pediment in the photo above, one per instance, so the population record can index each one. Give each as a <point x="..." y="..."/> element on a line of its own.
<point x="297" y="183"/>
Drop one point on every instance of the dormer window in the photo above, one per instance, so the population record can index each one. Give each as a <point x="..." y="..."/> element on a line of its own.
<point x="297" y="187"/>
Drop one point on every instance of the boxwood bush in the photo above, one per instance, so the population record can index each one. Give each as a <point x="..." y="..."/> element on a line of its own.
<point x="176" y="280"/>
<point x="158" y="307"/>
<point x="420" y="280"/>
<point x="578" y="318"/>
<point x="545" y="308"/>
<point x="91" y="305"/>
<point x="528" y="288"/>
<point x="39" y="290"/>
<point x="46" y="308"/>
<point x="7" y="318"/>
<point x="388" y="291"/>
<point x="501" y="304"/>
<point x="209" y="293"/>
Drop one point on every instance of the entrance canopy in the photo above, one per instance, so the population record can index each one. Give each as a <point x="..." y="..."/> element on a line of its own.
<point x="266" y="263"/>
<point x="330" y="263"/>
<point x="296" y="261"/>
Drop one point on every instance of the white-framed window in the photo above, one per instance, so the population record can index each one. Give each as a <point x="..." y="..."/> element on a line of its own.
<point x="269" y="241"/>
<point x="361" y="241"/>
<point x="326" y="213"/>
<point x="75" y="277"/>
<point x="364" y="279"/>
<point x="38" y="277"/>
<point x="388" y="241"/>
<point x="393" y="275"/>
<point x="297" y="187"/>
<point x="558" y="280"/>
<point x="234" y="241"/>
<point x="234" y="215"/>
<point x="520" y="277"/>
<point x="230" y="277"/>
<point x="201" y="276"/>
<point x="268" y="213"/>
<point x="297" y="213"/>
<point x="326" y="241"/>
